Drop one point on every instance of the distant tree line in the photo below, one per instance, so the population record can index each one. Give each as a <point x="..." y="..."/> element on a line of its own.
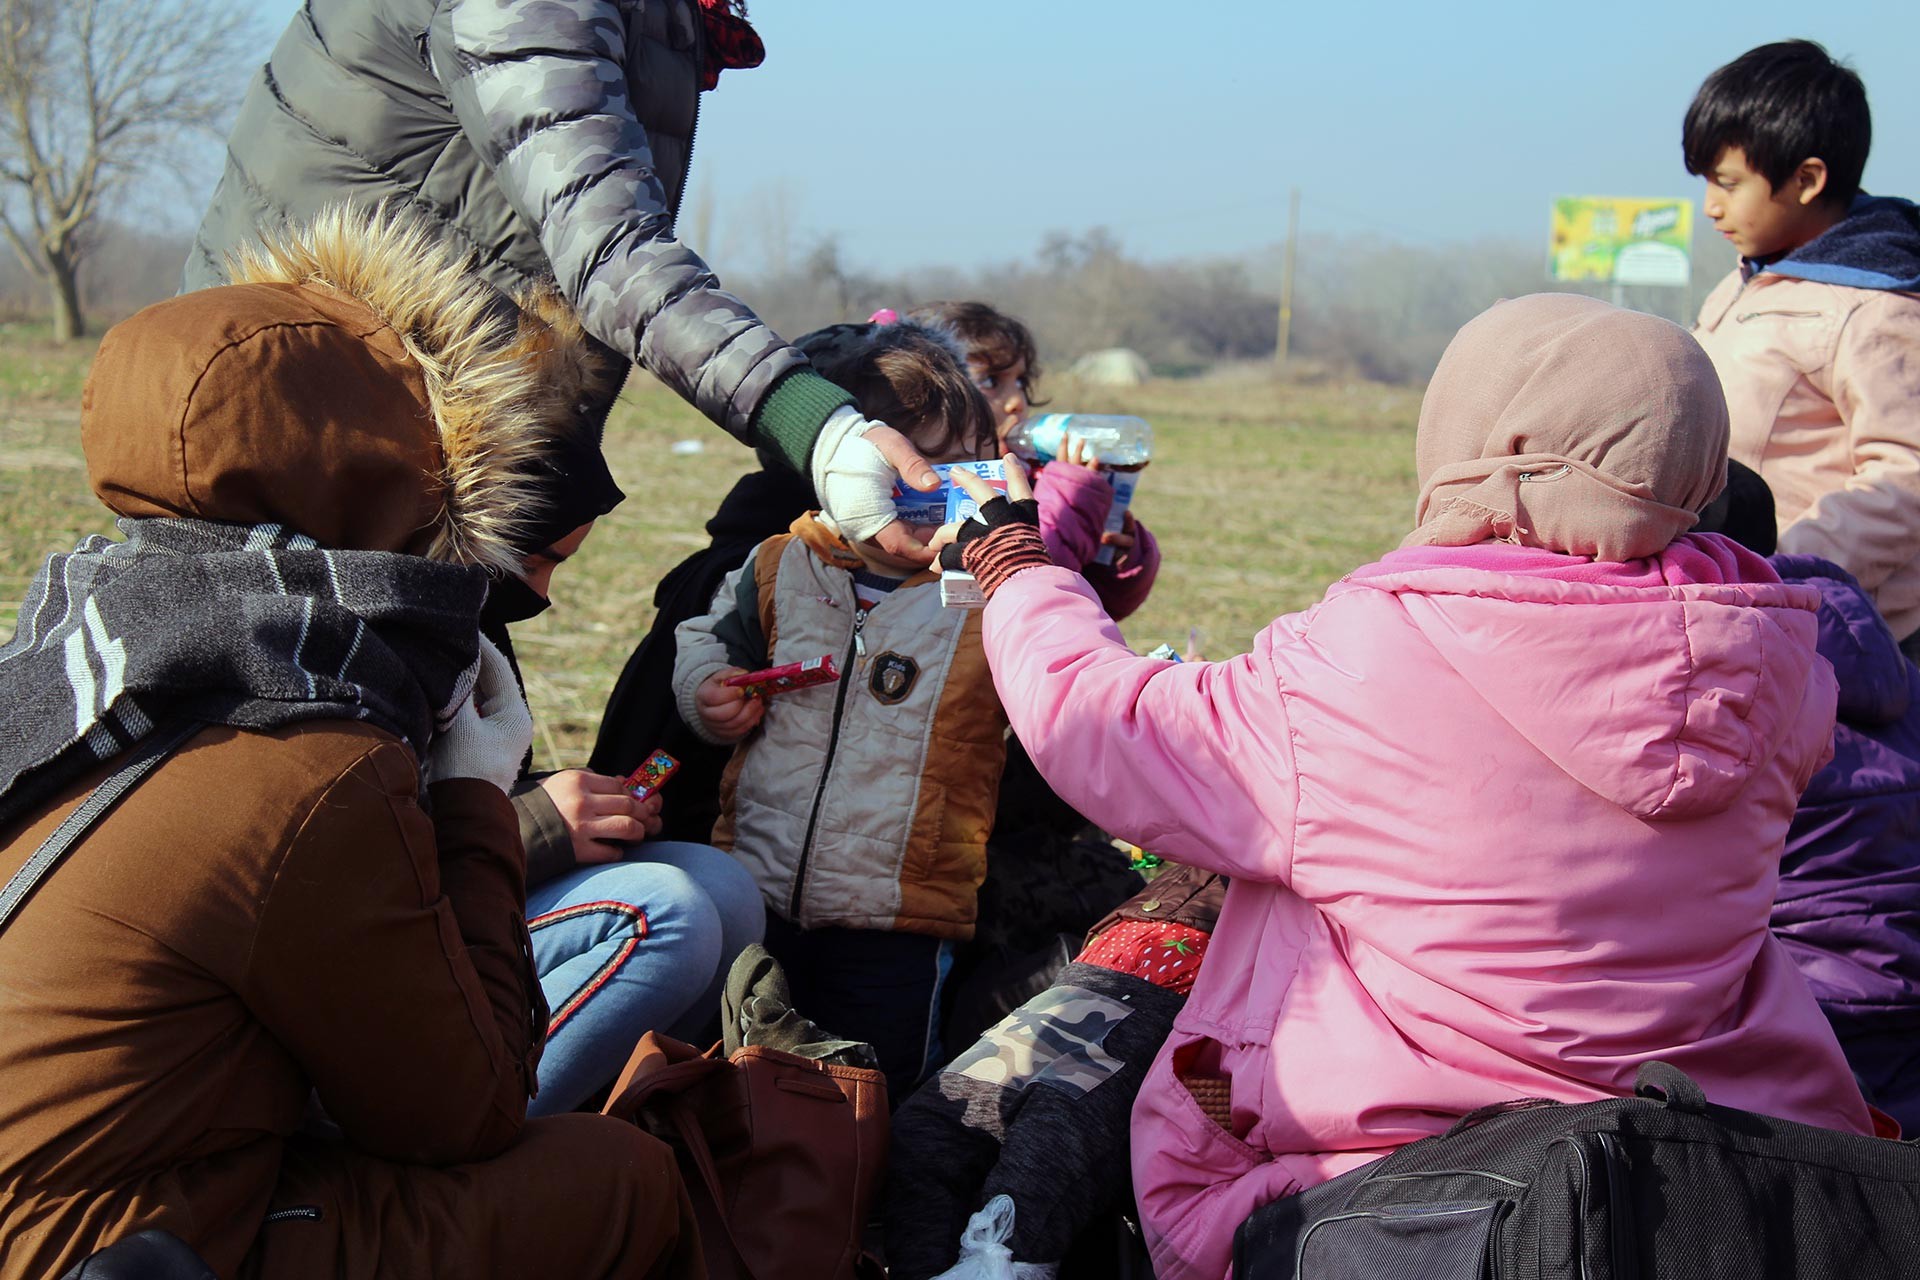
<point x="124" y="269"/>
<point x="1364" y="307"/>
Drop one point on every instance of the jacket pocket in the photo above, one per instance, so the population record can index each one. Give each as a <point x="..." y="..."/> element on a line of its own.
<point x="1187" y="1079"/>
<point x="1183" y="1162"/>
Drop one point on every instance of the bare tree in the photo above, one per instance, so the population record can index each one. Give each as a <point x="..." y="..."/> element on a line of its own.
<point x="93" y="95"/>
<point x="768" y="226"/>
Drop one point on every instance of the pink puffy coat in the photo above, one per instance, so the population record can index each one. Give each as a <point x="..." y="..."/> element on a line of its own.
<point x="1500" y="822"/>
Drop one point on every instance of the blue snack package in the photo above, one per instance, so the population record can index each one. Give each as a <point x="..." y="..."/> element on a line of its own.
<point x="949" y="502"/>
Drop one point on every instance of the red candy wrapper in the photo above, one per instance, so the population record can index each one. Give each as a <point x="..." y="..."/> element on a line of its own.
<point x="652" y="774"/>
<point x="768" y="681"/>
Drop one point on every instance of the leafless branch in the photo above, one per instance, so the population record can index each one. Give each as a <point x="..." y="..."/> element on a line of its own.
<point x="21" y="248"/>
<point x="98" y="93"/>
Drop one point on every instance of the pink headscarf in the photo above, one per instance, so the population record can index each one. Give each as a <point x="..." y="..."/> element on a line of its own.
<point x="1557" y="421"/>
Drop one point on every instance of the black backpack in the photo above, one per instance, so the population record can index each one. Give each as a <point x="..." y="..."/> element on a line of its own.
<point x="1662" y="1186"/>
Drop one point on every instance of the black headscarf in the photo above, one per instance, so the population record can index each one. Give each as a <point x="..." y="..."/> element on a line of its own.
<point x="574" y="488"/>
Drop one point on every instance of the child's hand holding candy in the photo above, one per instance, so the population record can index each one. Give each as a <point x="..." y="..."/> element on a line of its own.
<point x="729" y="714"/>
<point x="602" y="817"/>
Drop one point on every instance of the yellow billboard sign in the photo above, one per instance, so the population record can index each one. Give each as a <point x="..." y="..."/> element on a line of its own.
<point x="1622" y="240"/>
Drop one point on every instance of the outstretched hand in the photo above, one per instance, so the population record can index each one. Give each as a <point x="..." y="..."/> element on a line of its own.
<point x="900" y="538"/>
<point x="856" y="463"/>
<point x="1004" y="539"/>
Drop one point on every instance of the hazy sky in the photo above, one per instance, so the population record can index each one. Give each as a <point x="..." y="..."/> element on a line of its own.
<point x="926" y="133"/>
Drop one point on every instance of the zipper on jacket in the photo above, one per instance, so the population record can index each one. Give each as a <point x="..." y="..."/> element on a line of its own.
<point x="298" y="1213"/>
<point x="686" y="168"/>
<point x="686" y="176"/>
<point x="1745" y="316"/>
<point x="855" y="646"/>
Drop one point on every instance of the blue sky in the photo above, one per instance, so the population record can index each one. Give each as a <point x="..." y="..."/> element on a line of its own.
<point x="923" y="133"/>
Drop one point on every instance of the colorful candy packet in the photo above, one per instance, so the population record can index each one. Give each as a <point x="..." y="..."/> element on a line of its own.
<point x="768" y="681"/>
<point x="652" y="774"/>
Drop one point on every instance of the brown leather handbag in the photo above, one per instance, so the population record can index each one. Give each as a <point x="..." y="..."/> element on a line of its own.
<point x="782" y="1155"/>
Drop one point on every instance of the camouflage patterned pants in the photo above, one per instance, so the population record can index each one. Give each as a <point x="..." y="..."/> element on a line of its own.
<point x="1038" y="1110"/>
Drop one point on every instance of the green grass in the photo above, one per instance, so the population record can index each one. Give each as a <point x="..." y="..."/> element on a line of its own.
<point x="35" y="370"/>
<point x="1261" y="494"/>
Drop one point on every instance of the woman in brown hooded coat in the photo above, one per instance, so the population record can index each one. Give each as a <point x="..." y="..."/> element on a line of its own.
<point x="319" y="896"/>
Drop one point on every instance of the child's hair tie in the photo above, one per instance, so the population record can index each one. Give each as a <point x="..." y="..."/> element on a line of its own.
<point x="885" y="315"/>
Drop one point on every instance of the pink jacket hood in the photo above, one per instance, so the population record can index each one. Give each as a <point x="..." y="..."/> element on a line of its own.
<point x="1500" y="823"/>
<point x="1707" y="714"/>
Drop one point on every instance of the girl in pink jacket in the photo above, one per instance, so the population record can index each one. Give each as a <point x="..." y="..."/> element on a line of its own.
<point x="1502" y="814"/>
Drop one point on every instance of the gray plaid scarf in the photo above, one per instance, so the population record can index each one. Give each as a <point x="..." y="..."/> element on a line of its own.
<point x="250" y="626"/>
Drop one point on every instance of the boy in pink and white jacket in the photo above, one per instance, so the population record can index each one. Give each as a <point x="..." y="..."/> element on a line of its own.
<point x="1502" y="814"/>
<point x="1816" y="333"/>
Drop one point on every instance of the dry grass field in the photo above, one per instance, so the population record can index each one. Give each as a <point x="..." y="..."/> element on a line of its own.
<point x="1260" y="493"/>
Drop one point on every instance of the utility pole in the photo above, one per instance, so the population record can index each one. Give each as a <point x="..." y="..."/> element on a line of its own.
<point x="1286" y="280"/>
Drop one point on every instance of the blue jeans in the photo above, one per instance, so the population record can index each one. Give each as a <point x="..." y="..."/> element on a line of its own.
<point x="629" y="947"/>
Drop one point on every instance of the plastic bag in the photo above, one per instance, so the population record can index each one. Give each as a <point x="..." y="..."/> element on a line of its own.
<point x="983" y="1249"/>
<point x="983" y="1245"/>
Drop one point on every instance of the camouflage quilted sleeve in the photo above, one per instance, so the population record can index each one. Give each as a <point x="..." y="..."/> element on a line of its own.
<point x="542" y="89"/>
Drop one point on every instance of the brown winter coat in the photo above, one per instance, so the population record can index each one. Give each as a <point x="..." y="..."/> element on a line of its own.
<point x="268" y="915"/>
<point x="277" y="918"/>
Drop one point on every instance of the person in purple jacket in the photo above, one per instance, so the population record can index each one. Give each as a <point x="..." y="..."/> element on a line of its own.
<point x="1848" y="906"/>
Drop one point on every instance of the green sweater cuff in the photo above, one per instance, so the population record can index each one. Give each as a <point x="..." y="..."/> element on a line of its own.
<point x="791" y="416"/>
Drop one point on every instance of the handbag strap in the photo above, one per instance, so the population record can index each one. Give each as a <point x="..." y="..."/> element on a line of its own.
<point x="147" y="753"/>
<point x="1674" y="1087"/>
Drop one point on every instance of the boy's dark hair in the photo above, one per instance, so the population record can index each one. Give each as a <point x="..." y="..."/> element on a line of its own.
<point x="1782" y="104"/>
<point x="909" y="375"/>
<point x="1743" y="511"/>
<point x="993" y="338"/>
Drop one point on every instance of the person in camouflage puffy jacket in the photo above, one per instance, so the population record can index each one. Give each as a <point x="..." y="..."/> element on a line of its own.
<point x="551" y="140"/>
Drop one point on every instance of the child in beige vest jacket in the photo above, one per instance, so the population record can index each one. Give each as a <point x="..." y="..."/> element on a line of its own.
<point x="861" y="807"/>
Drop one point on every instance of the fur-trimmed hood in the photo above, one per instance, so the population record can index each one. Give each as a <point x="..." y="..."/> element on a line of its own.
<point x="356" y="382"/>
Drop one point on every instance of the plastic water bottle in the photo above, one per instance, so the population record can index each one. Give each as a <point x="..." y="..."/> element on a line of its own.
<point x="1118" y="440"/>
<point x="1122" y="443"/>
